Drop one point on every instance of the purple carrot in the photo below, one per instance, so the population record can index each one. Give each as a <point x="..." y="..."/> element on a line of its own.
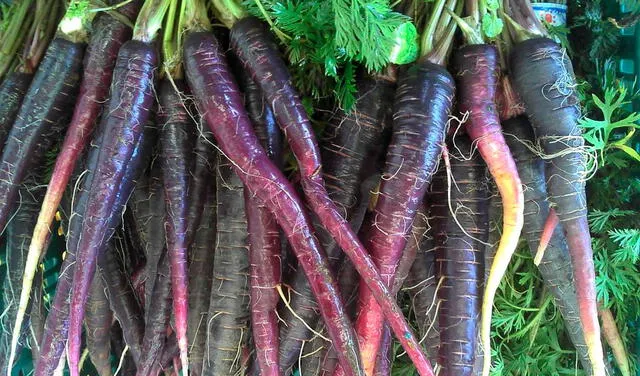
<point x="98" y="321"/>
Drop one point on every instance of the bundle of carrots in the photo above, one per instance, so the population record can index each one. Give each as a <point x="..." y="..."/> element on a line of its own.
<point x="189" y="250"/>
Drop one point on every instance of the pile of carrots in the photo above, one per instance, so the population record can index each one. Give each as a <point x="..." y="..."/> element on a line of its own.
<point x="189" y="250"/>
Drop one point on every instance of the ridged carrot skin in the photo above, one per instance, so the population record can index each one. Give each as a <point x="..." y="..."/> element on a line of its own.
<point x="157" y="318"/>
<point x="54" y="340"/>
<point x="555" y="266"/>
<point x="477" y="74"/>
<point x="98" y="320"/>
<point x="125" y="117"/>
<point x="106" y="39"/>
<point x="459" y="251"/>
<point x="123" y="302"/>
<point x="148" y="207"/>
<point x="228" y="322"/>
<point x="252" y="42"/>
<point x="348" y="148"/>
<point x="264" y="239"/>
<point x="177" y="140"/>
<point x="201" y="261"/>
<point x="222" y="107"/>
<point x="12" y="92"/>
<point x="385" y="359"/>
<point x="41" y="119"/>
<point x="543" y="77"/>
<point x="422" y="104"/>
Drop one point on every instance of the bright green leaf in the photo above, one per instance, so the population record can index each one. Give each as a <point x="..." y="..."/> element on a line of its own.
<point x="491" y="25"/>
<point x="405" y="44"/>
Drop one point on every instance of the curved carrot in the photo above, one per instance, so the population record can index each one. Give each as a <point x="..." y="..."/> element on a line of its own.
<point x="253" y="45"/>
<point x="543" y="76"/>
<point x="264" y="240"/>
<point x="124" y="122"/>
<point x="477" y="76"/>
<point x="221" y="104"/>
<point x="349" y="147"/>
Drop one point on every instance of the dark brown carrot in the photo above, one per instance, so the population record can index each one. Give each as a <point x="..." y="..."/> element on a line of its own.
<point x="228" y="321"/>
<point x="157" y="318"/>
<point x="12" y="92"/>
<point x="98" y="320"/>
<point x="201" y="254"/>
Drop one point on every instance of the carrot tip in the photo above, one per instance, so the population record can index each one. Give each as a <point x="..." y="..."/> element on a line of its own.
<point x="547" y="232"/>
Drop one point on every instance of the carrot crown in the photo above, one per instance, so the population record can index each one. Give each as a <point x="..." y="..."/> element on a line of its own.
<point x="150" y="20"/>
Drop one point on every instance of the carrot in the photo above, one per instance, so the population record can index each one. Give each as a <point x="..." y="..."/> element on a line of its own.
<point x="349" y="143"/>
<point x="201" y="253"/>
<point x="125" y="117"/>
<point x="555" y="265"/>
<point x="157" y="318"/>
<point x="422" y="287"/>
<point x="422" y="104"/>
<point x="459" y="238"/>
<point x="264" y="239"/>
<point x="98" y="320"/>
<point x="12" y="92"/>
<point x="108" y="36"/>
<point x="543" y="77"/>
<point x="147" y="206"/>
<point x="612" y="335"/>
<point x="125" y="306"/>
<point x="409" y="255"/>
<point x="41" y="118"/>
<point x="221" y="106"/>
<point x="37" y="314"/>
<point x="228" y="321"/>
<point x="251" y="42"/>
<point x="178" y="135"/>
<point x="477" y="79"/>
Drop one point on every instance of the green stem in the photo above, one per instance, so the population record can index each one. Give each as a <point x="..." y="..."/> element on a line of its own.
<point x="149" y="20"/>
<point x="19" y="17"/>
<point x="471" y="35"/>
<point x="444" y="42"/>
<point x="445" y="19"/>
<point x="524" y="23"/>
<point x="473" y="11"/>
<point x="170" y="50"/>
<point x="42" y="30"/>
<point x="428" y="35"/>
<point x="282" y="36"/>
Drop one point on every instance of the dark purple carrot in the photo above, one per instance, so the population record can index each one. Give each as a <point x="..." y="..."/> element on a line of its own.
<point x="201" y="252"/>
<point x="459" y="212"/>
<point x="555" y="265"/>
<point x="106" y="39"/>
<point x="177" y="141"/>
<point x="228" y="322"/>
<point x="124" y="304"/>
<point x="264" y="239"/>
<point x="37" y="314"/>
<point x="543" y="77"/>
<point x="123" y="123"/>
<point x="477" y="78"/>
<point x="41" y="119"/>
<point x="98" y="321"/>
<point x="251" y="41"/>
<point x="348" y="147"/>
<point x="12" y="92"/>
<point x="222" y="107"/>
<point x="157" y="318"/>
